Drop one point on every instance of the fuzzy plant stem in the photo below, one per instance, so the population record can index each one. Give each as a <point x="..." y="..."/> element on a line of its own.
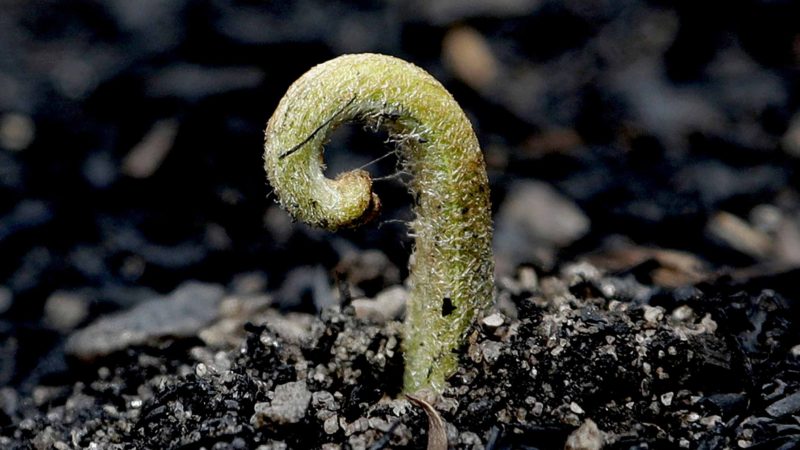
<point x="451" y="268"/>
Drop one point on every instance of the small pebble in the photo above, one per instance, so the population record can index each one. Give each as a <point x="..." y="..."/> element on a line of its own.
<point x="766" y="218"/>
<point x="586" y="437"/>
<point x="666" y="398"/>
<point x="468" y="55"/>
<point x="17" y="131"/>
<point x="528" y="280"/>
<point x="795" y="351"/>
<point x="27" y="424"/>
<point x="289" y="405"/>
<point x="653" y="314"/>
<point x="65" y="310"/>
<point x="580" y="271"/>
<point x="576" y="408"/>
<point x="493" y="321"/>
<point x="491" y="351"/>
<point x="682" y="313"/>
<point x="708" y="324"/>
<point x="711" y="421"/>
<point x="389" y="304"/>
<point x="146" y="157"/>
<point x="785" y="406"/>
<point x="331" y="425"/>
<point x="9" y="401"/>
<point x="535" y="219"/>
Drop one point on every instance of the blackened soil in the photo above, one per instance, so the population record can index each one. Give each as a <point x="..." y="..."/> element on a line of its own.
<point x="705" y="367"/>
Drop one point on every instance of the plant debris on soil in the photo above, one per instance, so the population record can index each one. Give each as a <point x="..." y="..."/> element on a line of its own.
<point x="643" y="160"/>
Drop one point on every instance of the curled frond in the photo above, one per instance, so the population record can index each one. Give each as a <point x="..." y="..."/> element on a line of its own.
<point x="451" y="273"/>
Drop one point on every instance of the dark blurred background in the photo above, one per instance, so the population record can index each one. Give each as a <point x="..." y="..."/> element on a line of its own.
<point x="625" y="131"/>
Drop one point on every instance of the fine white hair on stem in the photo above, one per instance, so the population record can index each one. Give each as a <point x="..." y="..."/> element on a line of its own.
<point x="451" y="269"/>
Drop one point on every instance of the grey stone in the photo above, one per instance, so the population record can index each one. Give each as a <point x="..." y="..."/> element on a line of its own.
<point x="16" y="131"/>
<point x="183" y="313"/>
<point x="390" y="304"/>
<point x="65" y="310"/>
<point x="9" y="402"/>
<point x="653" y="314"/>
<point x="305" y="283"/>
<point x="331" y="424"/>
<point x="784" y="406"/>
<point x="293" y="328"/>
<point x="576" y="408"/>
<point x="289" y="405"/>
<point x="491" y="351"/>
<point x="535" y="220"/>
<point x="324" y="400"/>
<point x="586" y="437"/>
<point x="493" y="321"/>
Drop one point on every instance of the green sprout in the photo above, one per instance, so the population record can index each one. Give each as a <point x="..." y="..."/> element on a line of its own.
<point x="451" y="270"/>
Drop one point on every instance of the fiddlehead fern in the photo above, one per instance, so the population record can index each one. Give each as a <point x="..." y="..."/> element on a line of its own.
<point x="451" y="269"/>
